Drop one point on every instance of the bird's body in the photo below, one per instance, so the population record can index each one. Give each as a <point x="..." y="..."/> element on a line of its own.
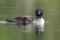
<point x="39" y="24"/>
<point x="37" y="21"/>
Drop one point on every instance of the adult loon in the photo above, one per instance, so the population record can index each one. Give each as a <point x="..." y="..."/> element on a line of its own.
<point x="39" y="23"/>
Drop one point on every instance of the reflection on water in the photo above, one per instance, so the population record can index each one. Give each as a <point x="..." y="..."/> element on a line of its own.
<point x="28" y="28"/>
<point x="39" y="37"/>
<point x="28" y="33"/>
<point x="11" y="32"/>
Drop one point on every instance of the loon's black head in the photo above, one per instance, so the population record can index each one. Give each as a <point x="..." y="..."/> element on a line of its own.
<point x="39" y="13"/>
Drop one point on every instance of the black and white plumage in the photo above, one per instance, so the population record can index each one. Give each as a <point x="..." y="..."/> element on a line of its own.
<point x="38" y="21"/>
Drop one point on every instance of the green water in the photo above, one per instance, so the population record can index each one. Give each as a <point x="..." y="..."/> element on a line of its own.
<point x="13" y="8"/>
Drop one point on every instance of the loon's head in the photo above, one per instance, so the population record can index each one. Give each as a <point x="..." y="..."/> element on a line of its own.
<point x="39" y="13"/>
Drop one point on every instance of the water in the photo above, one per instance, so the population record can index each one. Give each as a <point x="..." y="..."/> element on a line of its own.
<point x="13" y="32"/>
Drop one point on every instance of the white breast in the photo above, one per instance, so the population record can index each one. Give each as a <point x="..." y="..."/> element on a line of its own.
<point x="39" y="22"/>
